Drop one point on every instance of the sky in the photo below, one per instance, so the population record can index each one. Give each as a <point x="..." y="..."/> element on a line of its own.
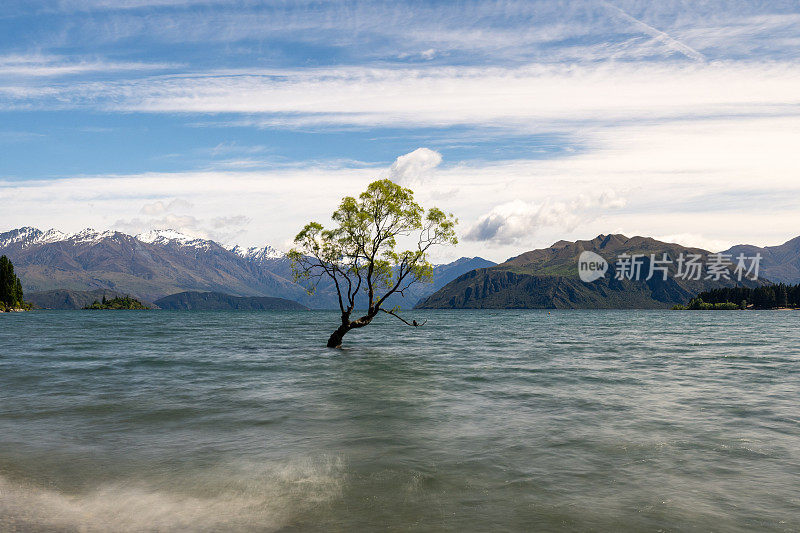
<point x="531" y="121"/>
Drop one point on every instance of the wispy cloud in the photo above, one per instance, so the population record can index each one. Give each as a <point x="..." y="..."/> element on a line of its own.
<point x="159" y="207"/>
<point x="94" y="5"/>
<point x="522" y="97"/>
<point x="19" y="136"/>
<point x="681" y="108"/>
<point x="658" y="35"/>
<point x="697" y="240"/>
<point x="674" y="178"/>
<point x="40" y="66"/>
<point x="472" y="31"/>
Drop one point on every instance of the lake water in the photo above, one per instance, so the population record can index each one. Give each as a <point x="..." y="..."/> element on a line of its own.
<point x="478" y="421"/>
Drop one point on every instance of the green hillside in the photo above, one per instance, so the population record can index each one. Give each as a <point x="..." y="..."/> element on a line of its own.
<point x="548" y="279"/>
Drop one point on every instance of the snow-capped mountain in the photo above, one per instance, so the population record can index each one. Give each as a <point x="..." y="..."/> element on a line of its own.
<point x="88" y="235"/>
<point x="256" y="254"/>
<point x="171" y="236"/>
<point x="149" y="265"/>
<point x="28" y="236"/>
<point x="162" y="262"/>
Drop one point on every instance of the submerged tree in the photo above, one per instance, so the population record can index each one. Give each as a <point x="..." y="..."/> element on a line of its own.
<point x="360" y="257"/>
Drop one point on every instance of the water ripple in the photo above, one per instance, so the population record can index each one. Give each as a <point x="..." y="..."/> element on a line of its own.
<point x="498" y="420"/>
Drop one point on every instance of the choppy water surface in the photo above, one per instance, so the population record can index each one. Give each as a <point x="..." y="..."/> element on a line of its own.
<point x="481" y="420"/>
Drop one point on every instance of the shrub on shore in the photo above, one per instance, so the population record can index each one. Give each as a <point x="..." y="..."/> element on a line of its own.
<point x="697" y="304"/>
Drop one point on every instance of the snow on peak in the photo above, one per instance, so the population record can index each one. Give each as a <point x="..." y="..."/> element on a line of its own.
<point x="161" y="235"/>
<point x="167" y="236"/>
<point x="89" y="235"/>
<point x="27" y="236"/>
<point x="24" y="235"/>
<point x="257" y="254"/>
<point x="52" y="235"/>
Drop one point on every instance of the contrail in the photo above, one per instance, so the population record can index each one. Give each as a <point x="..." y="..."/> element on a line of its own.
<point x="660" y="36"/>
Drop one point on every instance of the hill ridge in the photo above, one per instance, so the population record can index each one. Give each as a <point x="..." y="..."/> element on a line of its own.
<point x="164" y="262"/>
<point x="548" y="278"/>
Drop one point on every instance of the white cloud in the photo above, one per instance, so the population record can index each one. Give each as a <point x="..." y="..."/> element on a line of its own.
<point x="219" y="228"/>
<point x="709" y="145"/>
<point x="727" y="180"/>
<point x="658" y="35"/>
<point x="697" y="241"/>
<point x="159" y="207"/>
<point x="430" y="53"/>
<point x="46" y="66"/>
<point x="183" y="223"/>
<point x="222" y="229"/>
<point x="414" y="167"/>
<point x="232" y="147"/>
<point x="92" y="5"/>
<point x="248" y="206"/>
<point x="371" y="28"/>
<point x="518" y="221"/>
<point x="155" y="208"/>
<point x="478" y="30"/>
<point x="531" y="98"/>
<point x="231" y="221"/>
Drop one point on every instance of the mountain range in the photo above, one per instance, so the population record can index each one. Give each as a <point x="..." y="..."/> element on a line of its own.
<point x="152" y="265"/>
<point x="156" y="264"/>
<point x="779" y="264"/>
<point x="548" y="278"/>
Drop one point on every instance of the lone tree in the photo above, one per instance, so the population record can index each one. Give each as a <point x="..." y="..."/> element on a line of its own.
<point x="359" y="254"/>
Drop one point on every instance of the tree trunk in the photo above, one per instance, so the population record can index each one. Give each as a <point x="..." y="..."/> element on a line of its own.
<point x="335" y="340"/>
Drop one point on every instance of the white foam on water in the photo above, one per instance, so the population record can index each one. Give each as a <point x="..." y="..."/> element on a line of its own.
<point x="233" y="497"/>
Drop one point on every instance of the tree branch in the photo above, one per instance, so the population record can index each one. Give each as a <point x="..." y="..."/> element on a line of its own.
<point x="413" y="323"/>
<point x="400" y="277"/>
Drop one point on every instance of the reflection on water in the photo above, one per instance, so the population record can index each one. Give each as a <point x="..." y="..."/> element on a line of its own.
<point x="515" y="420"/>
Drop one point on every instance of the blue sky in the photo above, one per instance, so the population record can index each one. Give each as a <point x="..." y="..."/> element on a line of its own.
<point x="531" y="121"/>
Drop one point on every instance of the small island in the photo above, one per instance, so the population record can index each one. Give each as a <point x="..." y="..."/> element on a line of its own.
<point x="118" y="303"/>
<point x="217" y="301"/>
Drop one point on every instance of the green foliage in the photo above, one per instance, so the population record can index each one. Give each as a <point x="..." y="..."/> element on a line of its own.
<point x="123" y="302"/>
<point x="10" y="287"/>
<point x="360" y="253"/>
<point x="764" y="297"/>
<point x="697" y="304"/>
